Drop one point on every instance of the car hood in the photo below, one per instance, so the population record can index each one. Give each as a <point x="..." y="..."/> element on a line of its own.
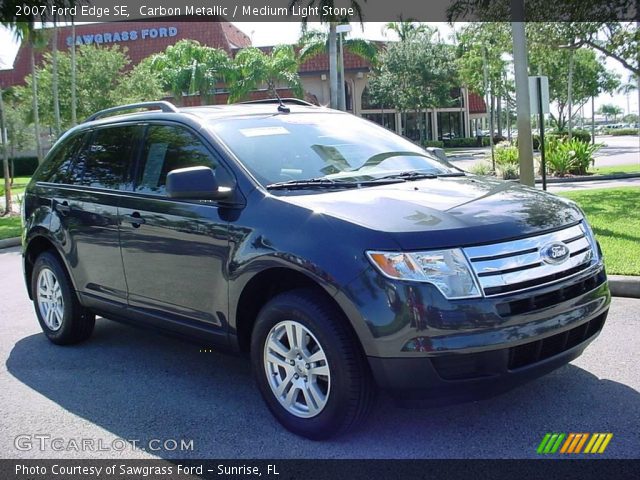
<point x="450" y="211"/>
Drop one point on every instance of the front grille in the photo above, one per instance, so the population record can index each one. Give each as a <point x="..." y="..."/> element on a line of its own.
<point x="529" y="353"/>
<point x="518" y="265"/>
<point x="564" y="293"/>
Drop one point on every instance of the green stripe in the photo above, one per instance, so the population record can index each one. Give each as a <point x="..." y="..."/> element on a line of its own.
<point x="543" y="443"/>
<point x="550" y="443"/>
<point x="558" y="442"/>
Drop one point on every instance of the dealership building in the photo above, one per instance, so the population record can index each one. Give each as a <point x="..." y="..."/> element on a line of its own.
<point x="142" y="39"/>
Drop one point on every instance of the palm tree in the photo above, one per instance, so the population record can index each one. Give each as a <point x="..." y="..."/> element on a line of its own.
<point x="627" y="88"/>
<point x="190" y="67"/>
<point x="25" y="31"/>
<point x="315" y="42"/>
<point x="54" y="79"/>
<point x="252" y="67"/>
<point x="333" y="22"/>
<point x="405" y="29"/>
<point x="5" y="158"/>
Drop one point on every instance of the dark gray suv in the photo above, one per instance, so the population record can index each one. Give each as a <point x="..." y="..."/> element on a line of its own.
<point x="338" y="255"/>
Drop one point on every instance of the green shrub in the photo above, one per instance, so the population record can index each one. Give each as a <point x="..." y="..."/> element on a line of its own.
<point x="623" y="131"/>
<point x="461" y="142"/>
<point x="576" y="134"/>
<point x="433" y="143"/>
<point x="483" y="168"/>
<point x="23" y="166"/>
<point x="508" y="171"/>
<point x="506" y="153"/>
<point x="569" y="156"/>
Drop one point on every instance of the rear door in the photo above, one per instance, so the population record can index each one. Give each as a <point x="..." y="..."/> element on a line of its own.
<point x="175" y="251"/>
<point x="87" y="209"/>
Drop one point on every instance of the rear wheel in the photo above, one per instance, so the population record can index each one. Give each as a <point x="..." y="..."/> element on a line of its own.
<point x="63" y="320"/>
<point x="309" y="366"/>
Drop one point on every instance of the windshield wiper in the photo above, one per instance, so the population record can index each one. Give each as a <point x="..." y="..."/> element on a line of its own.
<point x="411" y="175"/>
<point x="326" y="183"/>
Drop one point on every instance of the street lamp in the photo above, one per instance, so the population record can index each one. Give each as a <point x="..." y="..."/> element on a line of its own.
<point x="342" y="103"/>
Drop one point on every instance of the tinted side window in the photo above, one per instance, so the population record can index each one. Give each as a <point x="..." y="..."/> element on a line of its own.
<point x="55" y="169"/>
<point x="167" y="148"/>
<point x="105" y="160"/>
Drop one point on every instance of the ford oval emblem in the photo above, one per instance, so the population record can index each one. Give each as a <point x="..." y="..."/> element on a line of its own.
<point x="554" y="253"/>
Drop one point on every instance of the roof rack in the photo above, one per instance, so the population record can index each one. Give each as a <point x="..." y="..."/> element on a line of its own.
<point x="295" y="101"/>
<point x="162" y="105"/>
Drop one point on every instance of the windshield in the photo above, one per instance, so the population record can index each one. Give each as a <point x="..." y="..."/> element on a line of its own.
<point x="299" y="147"/>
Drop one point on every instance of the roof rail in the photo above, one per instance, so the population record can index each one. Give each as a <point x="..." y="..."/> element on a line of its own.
<point x="162" y="105"/>
<point x="295" y="101"/>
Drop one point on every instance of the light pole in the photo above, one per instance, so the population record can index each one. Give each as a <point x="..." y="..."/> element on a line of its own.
<point x="342" y="101"/>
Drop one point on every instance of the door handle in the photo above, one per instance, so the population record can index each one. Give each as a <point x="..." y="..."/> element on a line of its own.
<point x="63" y="207"/>
<point x="134" y="219"/>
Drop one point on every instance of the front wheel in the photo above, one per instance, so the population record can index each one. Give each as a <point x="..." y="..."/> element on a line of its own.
<point x="309" y="366"/>
<point x="63" y="320"/>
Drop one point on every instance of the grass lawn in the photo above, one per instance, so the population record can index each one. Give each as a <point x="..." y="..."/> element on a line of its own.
<point x="9" y="226"/>
<point x="615" y="218"/>
<point x="19" y="184"/>
<point x="635" y="168"/>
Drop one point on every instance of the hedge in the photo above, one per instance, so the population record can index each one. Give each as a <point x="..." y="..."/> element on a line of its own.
<point x="622" y="131"/>
<point x="23" y="166"/>
<point x="434" y="143"/>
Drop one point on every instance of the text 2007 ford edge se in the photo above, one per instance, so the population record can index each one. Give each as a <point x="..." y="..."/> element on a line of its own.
<point x="341" y="256"/>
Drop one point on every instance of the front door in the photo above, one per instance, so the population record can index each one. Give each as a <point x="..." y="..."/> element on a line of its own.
<point x="175" y="251"/>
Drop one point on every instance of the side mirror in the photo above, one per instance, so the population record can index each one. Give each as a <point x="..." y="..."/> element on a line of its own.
<point x="195" y="183"/>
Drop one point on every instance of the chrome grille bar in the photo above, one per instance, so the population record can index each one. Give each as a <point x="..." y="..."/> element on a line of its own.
<point x="518" y="265"/>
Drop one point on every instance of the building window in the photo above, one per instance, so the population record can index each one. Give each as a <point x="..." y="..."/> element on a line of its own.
<point x="411" y="127"/>
<point x="449" y="125"/>
<point x="387" y="120"/>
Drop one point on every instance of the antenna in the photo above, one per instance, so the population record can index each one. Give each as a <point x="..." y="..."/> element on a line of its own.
<point x="281" y="106"/>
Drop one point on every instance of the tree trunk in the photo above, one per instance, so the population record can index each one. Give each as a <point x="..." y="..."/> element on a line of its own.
<point x="34" y="93"/>
<point x="74" y="119"/>
<point x="5" y="159"/>
<point x="54" y="82"/>
<point x="333" y="66"/>
<point x="570" y="93"/>
<point x="499" y="112"/>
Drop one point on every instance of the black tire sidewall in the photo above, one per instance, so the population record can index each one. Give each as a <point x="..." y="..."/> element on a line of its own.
<point x="335" y="413"/>
<point x="48" y="260"/>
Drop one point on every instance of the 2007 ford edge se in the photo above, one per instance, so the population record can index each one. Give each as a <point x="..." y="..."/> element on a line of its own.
<point x="341" y="257"/>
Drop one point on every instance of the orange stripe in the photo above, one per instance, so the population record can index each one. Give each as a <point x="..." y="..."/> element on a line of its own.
<point x="605" y="443"/>
<point x="575" y="442"/>
<point x="582" y="440"/>
<point x="567" y="443"/>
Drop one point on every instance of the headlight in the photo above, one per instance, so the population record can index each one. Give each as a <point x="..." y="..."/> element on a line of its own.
<point x="448" y="270"/>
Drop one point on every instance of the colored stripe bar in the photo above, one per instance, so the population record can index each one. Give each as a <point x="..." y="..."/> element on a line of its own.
<point x="550" y="443"/>
<point x="566" y="445"/>
<point x="594" y="437"/>
<point x="605" y="443"/>
<point x="582" y="441"/>
<point x="555" y="447"/>
<point x="543" y="443"/>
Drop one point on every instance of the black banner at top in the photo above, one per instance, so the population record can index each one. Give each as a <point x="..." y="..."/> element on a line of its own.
<point x="320" y="10"/>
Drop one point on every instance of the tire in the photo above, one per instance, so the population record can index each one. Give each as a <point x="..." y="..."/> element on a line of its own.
<point x="329" y="389"/>
<point x="63" y="320"/>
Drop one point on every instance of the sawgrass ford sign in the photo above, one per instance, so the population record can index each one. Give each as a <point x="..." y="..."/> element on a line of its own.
<point x="122" y="36"/>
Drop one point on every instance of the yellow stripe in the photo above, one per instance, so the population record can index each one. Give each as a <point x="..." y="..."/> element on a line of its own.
<point x="567" y="443"/>
<point x="594" y="437"/>
<point x="606" y="442"/>
<point x="582" y="440"/>
<point x="596" y="445"/>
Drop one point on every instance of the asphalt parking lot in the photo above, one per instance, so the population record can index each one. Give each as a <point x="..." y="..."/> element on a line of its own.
<point x="128" y="383"/>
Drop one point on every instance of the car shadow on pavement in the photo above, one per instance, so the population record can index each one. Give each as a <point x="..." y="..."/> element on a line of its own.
<point x="138" y="384"/>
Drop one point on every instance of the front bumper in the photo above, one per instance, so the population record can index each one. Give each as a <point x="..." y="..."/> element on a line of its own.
<point x="423" y="346"/>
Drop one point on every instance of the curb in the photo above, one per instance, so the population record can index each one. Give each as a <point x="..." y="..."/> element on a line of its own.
<point x="10" y="242"/>
<point x="624" y="286"/>
<point x="594" y="178"/>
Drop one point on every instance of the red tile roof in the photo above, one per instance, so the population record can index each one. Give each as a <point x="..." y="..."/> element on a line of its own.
<point x="476" y="103"/>
<point x="220" y="34"/>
